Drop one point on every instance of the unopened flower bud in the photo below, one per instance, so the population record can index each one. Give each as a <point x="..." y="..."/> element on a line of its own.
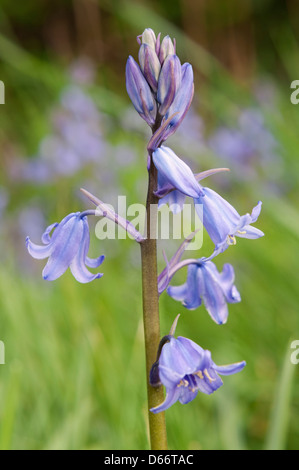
<point x="167" y="48"/>
<point x="150" y="65"/>
<point x="182" y="101"/>
<point x="147" y="37"/>
<point x="169" y="82"/>
<point x="139" y="91"/>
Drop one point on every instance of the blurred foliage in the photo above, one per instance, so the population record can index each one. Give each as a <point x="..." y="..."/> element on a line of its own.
<point x="74" y="372"/>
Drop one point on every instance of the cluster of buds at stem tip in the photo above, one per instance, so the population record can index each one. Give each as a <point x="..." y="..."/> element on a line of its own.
<point x="161" y="89"/>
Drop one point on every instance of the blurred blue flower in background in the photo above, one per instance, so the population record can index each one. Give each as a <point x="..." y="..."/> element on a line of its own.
<point x="4" y="197"/>
<point x="249" y="145"/>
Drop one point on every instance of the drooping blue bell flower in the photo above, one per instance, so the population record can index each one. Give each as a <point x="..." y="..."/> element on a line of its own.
<point x="185" y="369"/>
<point x="223" y="223"/>
<point x="205" y="284"/>
<point x="66" y="248"/>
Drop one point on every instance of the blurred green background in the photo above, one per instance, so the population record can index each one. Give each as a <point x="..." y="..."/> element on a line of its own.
<point x="74" y="375"/>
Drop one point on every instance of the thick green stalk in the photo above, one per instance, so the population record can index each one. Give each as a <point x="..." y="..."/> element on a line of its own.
<point x="157" y="425"/>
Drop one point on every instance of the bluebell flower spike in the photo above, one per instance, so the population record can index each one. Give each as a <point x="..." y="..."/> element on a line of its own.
<point x="160" y="87"/>
<point x="66" y="248"/>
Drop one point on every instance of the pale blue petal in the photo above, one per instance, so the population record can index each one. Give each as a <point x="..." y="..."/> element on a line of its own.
<point x="208" y="386"/>
<point x="90" y="262"/>
<point x="46" y="239"/>
<point x="213" y="296"/>
<point x="250" y="232"/>
<point x="176" y="172"/>
<point x="178" y="292"/>
<point x="67" y="241"/>
<point x="190" y="292"/>
<point x="256" y="212"/>
<point x="171" y="397"/>
<point x="181" y="103"/>
<point x="94" y="263"/>
<point x="226" y="280"/>
<point x="218" y="216"/>
<point x="139" y="91"/>
<point x="175" y="200"/>
<point x="38" y="251"/>
<point x="179" y="359"/>
<point x="169" y="82"/>
<point x="77" y="265"/>
<point x="230" y="369"/>
<point x="187" y="395"/>
<point x="169" y="377"/>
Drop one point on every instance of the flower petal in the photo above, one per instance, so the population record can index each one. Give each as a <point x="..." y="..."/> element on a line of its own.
<point x="172" y="396"/>
<point x="176" y="172"/>
<point x="213" y="296"/>
<point x="209" y="384"/>
<point x="218" y="216"/>
<point x="187" y="395"/>
<point x="226" y="281"/>
<point x="230" y="368"/>
<point x="190" y="292"/>
<point x="249" y="232"/>
<point x="178" y="358"/>
<point x="182" y="101"/>
<point x="38" y="251"/>
<point x="139" y="91"/>
<point x="46" y="239"/>
<point x="175" y="200"/>
<point x="68" y="237"/>
<point x="256" y="212"/>
<point x="169" y="82"/>
<point x="77" y="265"/>
<point x="94" y="263"/>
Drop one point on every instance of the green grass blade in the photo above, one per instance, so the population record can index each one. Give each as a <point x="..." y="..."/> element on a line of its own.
<point x="279" y="421"/>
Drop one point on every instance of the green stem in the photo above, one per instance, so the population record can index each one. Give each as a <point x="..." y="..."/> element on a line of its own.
<point x="151" y="321"/>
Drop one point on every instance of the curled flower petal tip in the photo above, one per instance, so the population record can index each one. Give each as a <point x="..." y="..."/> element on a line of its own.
<point x="67" y="248"/>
